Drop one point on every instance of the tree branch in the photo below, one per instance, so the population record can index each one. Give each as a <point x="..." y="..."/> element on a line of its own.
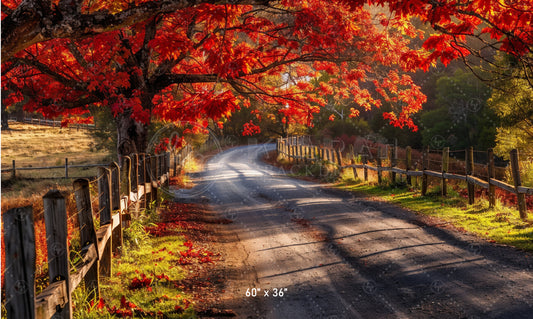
<point x="33" y="22"/>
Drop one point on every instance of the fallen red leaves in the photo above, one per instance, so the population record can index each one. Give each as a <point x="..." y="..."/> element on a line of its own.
<point x="137" y="283"/>
<point x="198" y="258"/>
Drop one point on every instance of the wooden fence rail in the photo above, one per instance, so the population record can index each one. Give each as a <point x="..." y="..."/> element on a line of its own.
<point x="53" y="123"/>
<point x="142" y="174"/>
<point x="292" y="149"/>
<point x="13" y="169"/>
<point x="179" y="158"/>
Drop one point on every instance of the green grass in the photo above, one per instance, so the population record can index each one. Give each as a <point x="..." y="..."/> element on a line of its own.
<point x="500" y="224"/>
<point x="143" y="256"/>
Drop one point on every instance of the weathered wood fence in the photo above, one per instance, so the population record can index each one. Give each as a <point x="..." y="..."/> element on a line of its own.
<point x="298" y="150"/>
<point x="178" y="159"/>
<point x="53" y="123"/>
<point x="13" y="169"/>
<point x="121" y="191"/>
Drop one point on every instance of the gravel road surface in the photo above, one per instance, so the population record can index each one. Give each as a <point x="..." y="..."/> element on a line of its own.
<point x="301" y="250"/>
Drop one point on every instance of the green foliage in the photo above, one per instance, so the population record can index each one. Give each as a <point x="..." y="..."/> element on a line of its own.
<point x="85" y="307"/>
<point x="145" y="275"/>
<point x="135" y="234"/>
<point x="513" y="103"/>
<point x="461" y="118"/>
<point x="322" y="170"/>
<point x="105" y="133"/>
<point x="403" y="136"/>
<point x="340" y="127"/>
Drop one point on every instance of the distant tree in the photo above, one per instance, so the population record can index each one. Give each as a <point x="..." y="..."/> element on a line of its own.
<point x="512" y="101"/>
<point x="462" y="118"/>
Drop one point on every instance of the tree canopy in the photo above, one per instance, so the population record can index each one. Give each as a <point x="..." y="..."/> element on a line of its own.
<point x="204" y="60"/>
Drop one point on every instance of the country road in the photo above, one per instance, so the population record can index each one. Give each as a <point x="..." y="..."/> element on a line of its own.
<point x="323" y="253"/>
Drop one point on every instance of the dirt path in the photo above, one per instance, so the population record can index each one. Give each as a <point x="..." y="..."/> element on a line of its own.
<point x="321" y="253"/>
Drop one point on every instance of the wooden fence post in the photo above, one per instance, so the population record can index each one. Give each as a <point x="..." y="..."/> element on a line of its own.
<point x="151" y="168"/>
<point x="155" y="179"/>
<point x="134" y="173"/>
<point x="87" y="233"/>
<point x="425" y="166"/>
<point x="66" y="167"/>
<point x="354" y="169"/>
<point x="167" y="169"/>
<point x="148" y="176"/>
<point x="339" y="158"/>
<point x="55" y="219"/>
<point x="104" y="205"/>
<point x="126" y="176"/>
<point x="491" y="174"/>
<point x="115" y="205"/>
<point x="142" y="179"/>
<point x="445" y="164"/>
<point x="408" y="159"/>
<point x="13" y="170"/>
<point x="19" y="276"/>
<point x="115" y="185"/>
<point x="391" y="165"/>
<point x="470" y="171"/>
<point x="158" y="171"/>
<point x="378" y="164"/>
<point x="521" y="197"/>
<point x="174" y="165"/>
<point x="365" y="169"/>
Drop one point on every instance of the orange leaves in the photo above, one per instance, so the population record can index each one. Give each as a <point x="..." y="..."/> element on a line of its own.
<point x="77" y="120"/>
<point x="190" y="64"/>
<point x="196" y="105"/>
<point x="354" y="112"/>
<point x="329" y="67"/>
<point x="250" y="129"/>
<point x="437" y="42"/>
<point x="170" y="45"/>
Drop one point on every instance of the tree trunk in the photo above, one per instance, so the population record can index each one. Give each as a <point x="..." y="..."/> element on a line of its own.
<point x="132" y="135"/>
<point x="5" y="118"/>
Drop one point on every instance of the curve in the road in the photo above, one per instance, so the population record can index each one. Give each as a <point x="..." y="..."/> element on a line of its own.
<point x="343" y="256"/>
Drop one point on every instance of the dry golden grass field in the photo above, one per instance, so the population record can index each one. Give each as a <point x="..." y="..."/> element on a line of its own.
<point x="40" y="146"/>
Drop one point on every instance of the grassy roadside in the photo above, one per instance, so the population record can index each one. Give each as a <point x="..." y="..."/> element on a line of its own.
<point x="165" y="269"/>
<point x="500" y="224"/>
<point x="143" y="280"/>
<point x="161" y="269"/>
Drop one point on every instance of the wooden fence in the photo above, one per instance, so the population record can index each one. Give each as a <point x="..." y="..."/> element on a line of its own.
<point x="121" y="191"/>
<point x="296" y="149"/>
<point x="54" y="123"/>
<point x="178" y="158"/>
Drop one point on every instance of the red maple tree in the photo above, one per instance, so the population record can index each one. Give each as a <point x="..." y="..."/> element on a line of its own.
<point x="179" y="60"/>
<point x="207" y="61"/>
